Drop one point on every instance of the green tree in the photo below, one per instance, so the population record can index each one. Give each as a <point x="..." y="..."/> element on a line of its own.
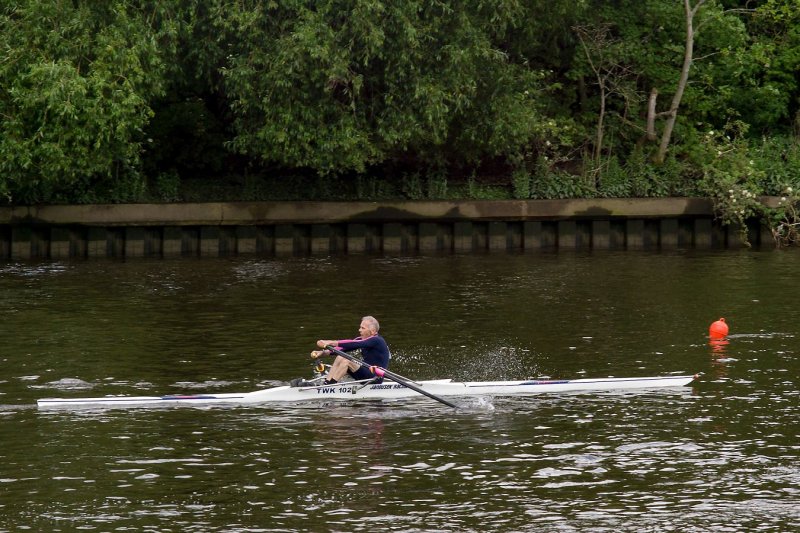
<point x="772" y="92"/>
<point x="688" y="53"/>
<point x="75" y="83"/>
<point x="192" y="119"/>
<point x="342" y="85"/>
<point x="99" y="100"/>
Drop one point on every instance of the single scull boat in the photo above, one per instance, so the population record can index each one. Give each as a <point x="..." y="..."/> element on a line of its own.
<point x="388" y="390"/>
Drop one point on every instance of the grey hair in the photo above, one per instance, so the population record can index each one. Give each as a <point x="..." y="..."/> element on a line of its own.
<point x="373" y="322"/>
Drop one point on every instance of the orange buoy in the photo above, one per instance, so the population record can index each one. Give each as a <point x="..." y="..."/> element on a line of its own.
<point x="718" y="330"/>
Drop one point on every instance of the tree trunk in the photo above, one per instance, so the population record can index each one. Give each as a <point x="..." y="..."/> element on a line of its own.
<point x="651" y="116"/>
<point x="598" y="147"/>
<point x="672" y="114"/>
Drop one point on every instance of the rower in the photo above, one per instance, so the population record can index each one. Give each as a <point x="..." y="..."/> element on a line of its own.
<point x="373" y="348"/>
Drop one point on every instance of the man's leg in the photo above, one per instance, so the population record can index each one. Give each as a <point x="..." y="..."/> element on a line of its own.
<point x="340" y="367"/>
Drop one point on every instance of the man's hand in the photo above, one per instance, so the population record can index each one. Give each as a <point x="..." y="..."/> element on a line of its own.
<point x="316" y="354"/>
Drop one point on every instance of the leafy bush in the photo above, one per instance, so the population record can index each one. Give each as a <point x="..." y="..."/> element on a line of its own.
<point x="521" y="183"/>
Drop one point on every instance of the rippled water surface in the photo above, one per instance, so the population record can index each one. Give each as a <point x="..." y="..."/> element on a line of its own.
<point x="721" y="455"/>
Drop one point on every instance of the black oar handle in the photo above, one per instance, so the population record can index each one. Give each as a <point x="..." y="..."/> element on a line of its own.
<point x="394" y="377"/>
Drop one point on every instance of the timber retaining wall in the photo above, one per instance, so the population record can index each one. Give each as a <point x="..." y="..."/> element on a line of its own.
<point x="307" y="228"/>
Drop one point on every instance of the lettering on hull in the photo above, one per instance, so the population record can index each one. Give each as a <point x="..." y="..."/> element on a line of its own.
<point x="351" y="390"/>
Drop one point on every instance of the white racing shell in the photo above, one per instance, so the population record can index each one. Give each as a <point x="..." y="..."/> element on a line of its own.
<point x="388" y="390"/>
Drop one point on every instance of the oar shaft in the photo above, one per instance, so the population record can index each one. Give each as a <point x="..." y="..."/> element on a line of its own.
<point x="395" y="377"/>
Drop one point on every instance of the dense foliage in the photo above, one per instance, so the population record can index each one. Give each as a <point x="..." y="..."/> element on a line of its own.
<point x="130" y="100"/>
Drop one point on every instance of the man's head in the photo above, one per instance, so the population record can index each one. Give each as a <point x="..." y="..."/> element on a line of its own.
<point x="369" y="326"/>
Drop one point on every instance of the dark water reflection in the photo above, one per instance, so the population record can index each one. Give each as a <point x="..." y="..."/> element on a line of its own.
<point x="719" y="456"/>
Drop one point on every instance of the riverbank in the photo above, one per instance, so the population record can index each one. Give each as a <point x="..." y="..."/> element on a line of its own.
<point x="301" y="228"/>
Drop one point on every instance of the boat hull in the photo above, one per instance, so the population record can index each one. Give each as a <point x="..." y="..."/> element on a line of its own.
<point x="388" y="390"/>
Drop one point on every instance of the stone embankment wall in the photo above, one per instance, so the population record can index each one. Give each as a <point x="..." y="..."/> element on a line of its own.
<point x="305" y="228"/>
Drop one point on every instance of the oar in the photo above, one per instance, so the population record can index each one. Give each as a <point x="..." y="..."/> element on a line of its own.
<point x="394" y="377"/>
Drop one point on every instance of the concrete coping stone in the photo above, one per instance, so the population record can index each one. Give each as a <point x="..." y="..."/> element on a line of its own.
<point x="268" y="213"/>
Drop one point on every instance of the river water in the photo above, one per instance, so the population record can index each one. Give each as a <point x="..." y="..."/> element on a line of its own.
<point x="721" y="455"/>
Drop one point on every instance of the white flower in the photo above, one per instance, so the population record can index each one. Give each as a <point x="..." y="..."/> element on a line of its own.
<point x="783" y="198"/>
<point x="733" y="200"/>
<point x="789" y="190"/>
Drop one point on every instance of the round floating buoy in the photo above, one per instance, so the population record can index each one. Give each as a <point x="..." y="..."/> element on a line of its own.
<point x="718" y="330"/>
